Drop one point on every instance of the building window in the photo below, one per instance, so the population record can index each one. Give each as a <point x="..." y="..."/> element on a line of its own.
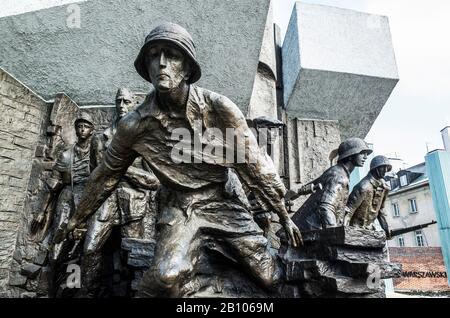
<point x="396" y="209"/>
<point x="412" y="205"/>
<point x="419" y="238"/>
<point x="403" y="180"/>
<point x="401" y="241"/>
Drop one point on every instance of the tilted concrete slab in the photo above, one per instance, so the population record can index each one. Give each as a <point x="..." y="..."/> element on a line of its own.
<point x="338" y="64"/>
<point x="89" y="63"/>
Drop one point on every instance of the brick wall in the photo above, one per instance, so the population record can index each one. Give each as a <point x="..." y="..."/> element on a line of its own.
<point x="21" y="118"/>
<point x="29" y="146"/>
<point x="423" y="269"/>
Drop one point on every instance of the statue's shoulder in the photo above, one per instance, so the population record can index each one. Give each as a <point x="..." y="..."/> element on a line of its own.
<point x="129" y="125"/>
<point x="145" y="107"/>
<point x="337" y="175"/>
<point x="66" y="153"/>
<point x="364" y="185"/>
<point x="211" y="96"/>
<point x="386" y="184"/>
<point x="62" y="162"/>
<point x="101" y="136"/>
<point x="218" y="103"/>
<point x="99" y="140"/>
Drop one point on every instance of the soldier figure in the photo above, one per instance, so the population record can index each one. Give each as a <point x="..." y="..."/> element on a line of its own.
<point x="325" y="208"/>
<point x="195" y="209"/>
<point x="366" y="202"/>
<point x="127" y="207"/>
<point x="67" y="182"/>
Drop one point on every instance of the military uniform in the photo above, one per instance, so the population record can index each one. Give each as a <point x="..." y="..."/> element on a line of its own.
<point x="196" y="212"/>
<point x="325" y="206"/>
<point x="366" y="202"/>
<point x="195" y="206"/>
<point x="128" y="207"/>
<point x="69" y="176"/>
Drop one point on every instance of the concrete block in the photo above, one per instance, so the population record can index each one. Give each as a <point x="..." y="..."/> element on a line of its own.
<point x="30" y="270"/>
<point x="41" y="257"/>
<point x="16" y="279"/>
<point x="346" y="236"/>
<point x="89" y="63"/>
<point x="338" y="64"/>
<point x="263" y="100"/>
<point x="309" y="143"/>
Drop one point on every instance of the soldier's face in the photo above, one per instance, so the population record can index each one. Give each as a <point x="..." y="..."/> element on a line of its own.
<point x="167" y="66"/>
<point x="380" y="172"/>
<point x="360" y="159"/>
<point x="83" y="130"/>
<point x="123" y="105"/>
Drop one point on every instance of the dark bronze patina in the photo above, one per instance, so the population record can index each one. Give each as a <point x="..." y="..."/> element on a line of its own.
<point x="198" y="207"/>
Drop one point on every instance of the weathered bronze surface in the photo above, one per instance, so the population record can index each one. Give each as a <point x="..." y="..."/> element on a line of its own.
<point x="325" y="207"/>
<point x="366" y="202"/>
<point x="127" y="206"/>
<point x="200" y="215"/>
<point x="64" y="190"/>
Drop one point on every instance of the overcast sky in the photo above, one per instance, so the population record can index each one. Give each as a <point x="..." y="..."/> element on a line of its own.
<point x="419" y="107"/>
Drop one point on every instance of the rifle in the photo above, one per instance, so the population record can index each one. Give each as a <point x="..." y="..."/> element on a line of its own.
<point x="292" y="195"/>
<point x="304" y="190"/>
<point x="398" y="232"/>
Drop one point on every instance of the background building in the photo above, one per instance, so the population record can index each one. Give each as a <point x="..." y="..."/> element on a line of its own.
<point x="410" y="203"/>
<point x="420" y="252"/>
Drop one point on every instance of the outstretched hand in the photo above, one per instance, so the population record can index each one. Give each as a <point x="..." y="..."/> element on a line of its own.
<point x="60" y="234"/>
<point x="36" y="222"/>
<point x="64" y="231"/>
<point x="292" y="232"/>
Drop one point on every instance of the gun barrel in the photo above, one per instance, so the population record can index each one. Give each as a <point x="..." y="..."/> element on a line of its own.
<point x="304" y="190"/>
<point x="398" y="232"/>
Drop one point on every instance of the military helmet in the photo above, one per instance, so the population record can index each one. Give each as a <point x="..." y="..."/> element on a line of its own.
<point x="379" y="161"/>
<point x="352" y="146"/>
<point x="177" y="35"/>
<point x="83" y="116"/>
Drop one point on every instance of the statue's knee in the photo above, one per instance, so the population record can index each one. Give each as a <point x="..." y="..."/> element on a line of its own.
<point x="272" y="276"/>
<point x="267" y="280"/>
<point x="168" y="276"/>
<point x="90" y="247"/>
<point x="327" y="218"/>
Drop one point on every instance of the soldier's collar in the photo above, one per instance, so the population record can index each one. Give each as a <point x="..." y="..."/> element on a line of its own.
<point x="150" y="106"/>
<point x="345" y="169"/>
<point x="375" y="182"/>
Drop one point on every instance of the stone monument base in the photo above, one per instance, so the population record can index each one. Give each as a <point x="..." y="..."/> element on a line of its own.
<point x="339" y="262"/>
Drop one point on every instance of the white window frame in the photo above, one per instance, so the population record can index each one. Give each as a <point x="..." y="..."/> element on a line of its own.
<point x="412" y="203"/>
<point x="403" y="180"/>
<point x="419" y="238"/>
<point x="395" y="209"/>
<point x="401" y="241"/>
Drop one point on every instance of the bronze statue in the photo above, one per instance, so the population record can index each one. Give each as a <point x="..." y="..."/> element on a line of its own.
<point x="325" y="207"/>
<point x="196" y="210"/>
<point x="366" y="202"/>
<point x="126" y="207"/>
<point x="66" y="184"/>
